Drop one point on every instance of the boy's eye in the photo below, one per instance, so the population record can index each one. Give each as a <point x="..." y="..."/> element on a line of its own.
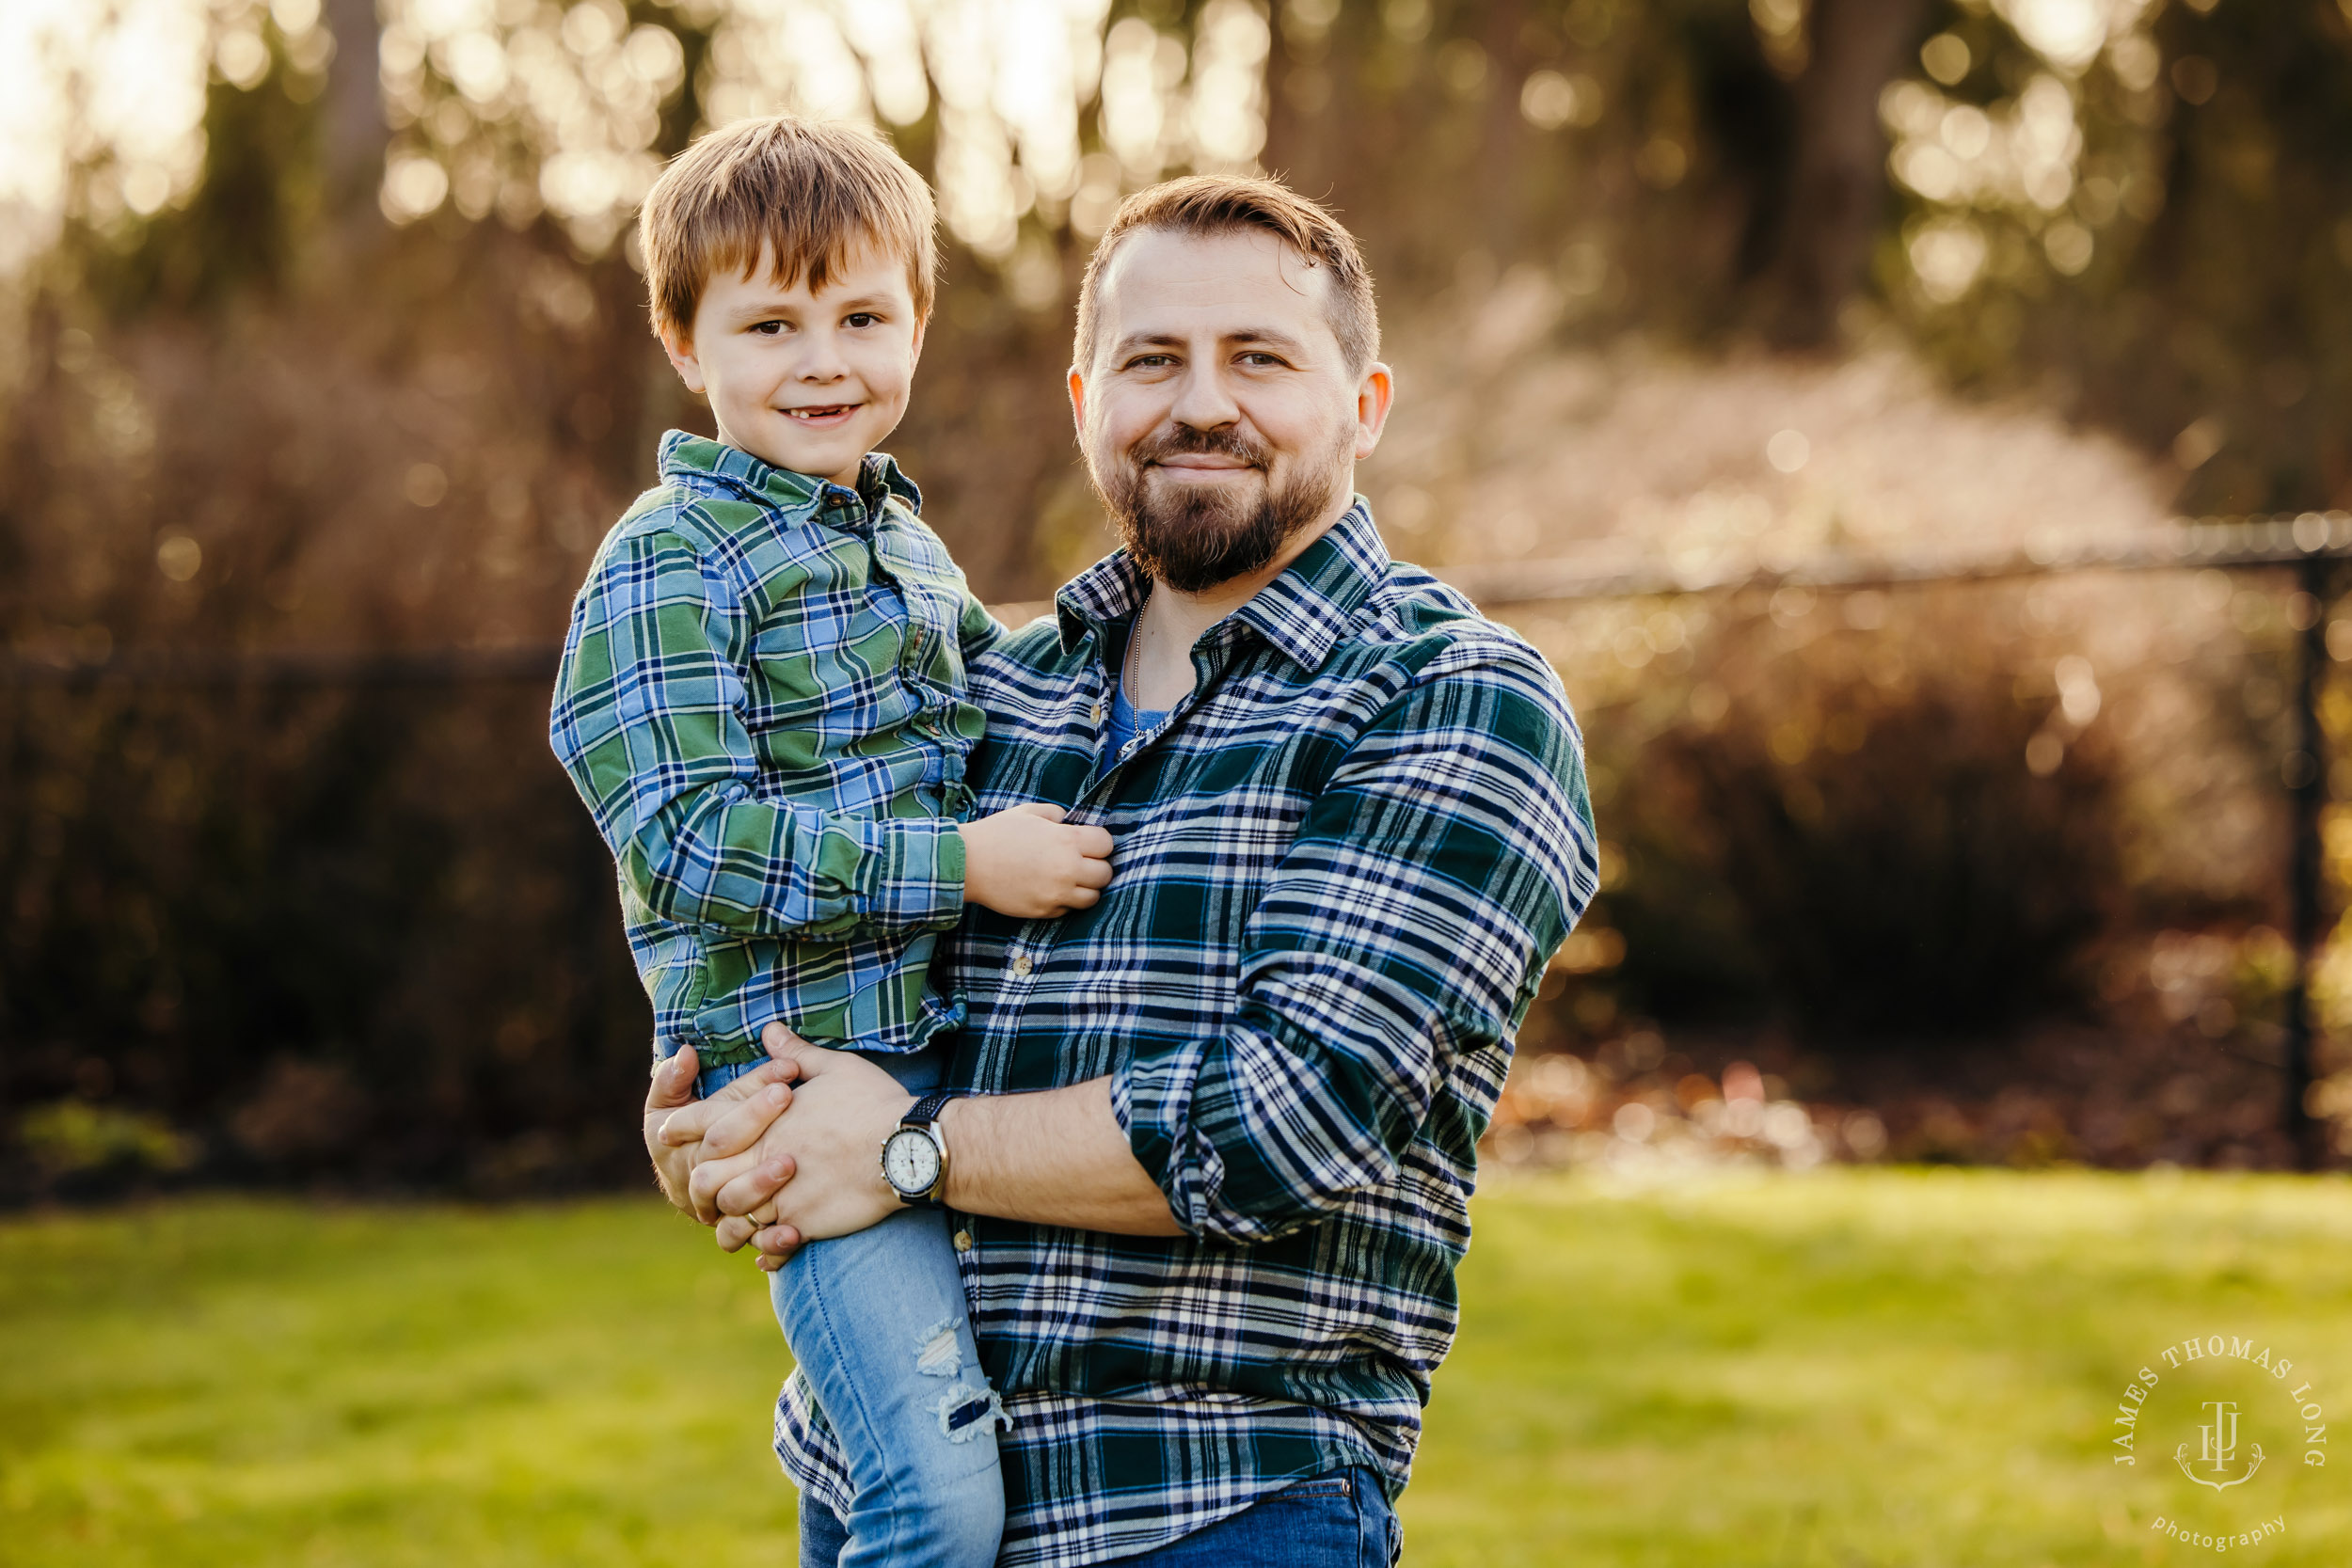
<point x="862" y="319"/>
<point x="768" y="329"/>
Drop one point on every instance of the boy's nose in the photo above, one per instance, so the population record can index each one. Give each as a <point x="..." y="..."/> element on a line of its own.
<point x="821" y="360"/>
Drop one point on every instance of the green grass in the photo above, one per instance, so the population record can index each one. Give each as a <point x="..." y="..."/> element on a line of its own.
<point x="262" y="1384"/>
<point x="1845" y="1368"/>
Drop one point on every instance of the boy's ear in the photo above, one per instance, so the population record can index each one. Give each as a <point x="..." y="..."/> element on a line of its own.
<point x="679" y="347"/>
<point x="922" y="326"/>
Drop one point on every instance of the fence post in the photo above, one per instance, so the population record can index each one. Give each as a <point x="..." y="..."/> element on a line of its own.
<point x="2307" y="789"/>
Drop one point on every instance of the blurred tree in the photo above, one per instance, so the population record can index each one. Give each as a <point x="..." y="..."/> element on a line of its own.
<point x="354" y="132"/>
<point x="2144" y="208"/>
<point x="1692" y="165"/>
<point x="2148" y="221"/>
<point x="1837" y="179"/>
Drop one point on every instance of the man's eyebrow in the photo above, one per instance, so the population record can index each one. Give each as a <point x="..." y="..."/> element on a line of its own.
<point x="1135" y="340"/>
<point x="1265" y="335"/>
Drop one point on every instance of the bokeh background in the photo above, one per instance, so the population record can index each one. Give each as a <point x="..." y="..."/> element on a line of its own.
<point x="1919" y="433"/>
<point x="1795" y="373"/>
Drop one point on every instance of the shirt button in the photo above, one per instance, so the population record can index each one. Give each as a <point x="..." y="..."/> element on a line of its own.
<point x="963" y="1241"/>
<point x="1021" y="966"/>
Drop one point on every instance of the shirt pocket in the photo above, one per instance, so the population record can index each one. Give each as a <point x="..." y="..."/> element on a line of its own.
<point x="788" y="685"/>
<point x="934" y="592"/>
<point x="821" y="692"/>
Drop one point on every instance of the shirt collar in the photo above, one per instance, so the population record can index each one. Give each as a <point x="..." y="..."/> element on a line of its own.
<point x="1301" y="613"/>
<point x="879" y="477"/>
<point x="685" y="454"/>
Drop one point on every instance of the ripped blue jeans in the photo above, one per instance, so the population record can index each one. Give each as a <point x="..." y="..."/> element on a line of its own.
<point x="877" y="1322"/>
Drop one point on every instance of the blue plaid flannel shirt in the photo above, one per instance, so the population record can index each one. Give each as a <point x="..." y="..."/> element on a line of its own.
<point x="1344" y="863"/>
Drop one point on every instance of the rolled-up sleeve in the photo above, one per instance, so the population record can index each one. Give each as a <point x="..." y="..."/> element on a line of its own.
<point x="1430" y="883"/>
<point x="650" y="723"/>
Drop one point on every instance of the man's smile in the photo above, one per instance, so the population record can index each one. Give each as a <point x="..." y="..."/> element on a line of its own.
<point x="1200" y="465"/>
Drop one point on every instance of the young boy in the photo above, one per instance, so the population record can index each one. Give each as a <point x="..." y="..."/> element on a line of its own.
<point x="761" y="701"/>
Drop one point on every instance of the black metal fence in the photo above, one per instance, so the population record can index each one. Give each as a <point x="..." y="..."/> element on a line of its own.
<point x="337" y="914"/>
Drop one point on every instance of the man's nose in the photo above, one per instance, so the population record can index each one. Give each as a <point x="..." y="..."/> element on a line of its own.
<point x="1204" y="402"/>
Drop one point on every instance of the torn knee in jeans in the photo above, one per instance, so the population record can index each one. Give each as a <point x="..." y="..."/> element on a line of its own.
<point x="935" y="1351"/>
<point x="964" y="1411"/>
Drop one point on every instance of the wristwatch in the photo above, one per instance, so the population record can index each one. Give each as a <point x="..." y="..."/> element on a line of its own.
<point x="914" y="1156"/>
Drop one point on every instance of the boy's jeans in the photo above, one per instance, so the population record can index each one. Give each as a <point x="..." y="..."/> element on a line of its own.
<point x="1340" y="1520"/>
<point x="878" y="1325"/>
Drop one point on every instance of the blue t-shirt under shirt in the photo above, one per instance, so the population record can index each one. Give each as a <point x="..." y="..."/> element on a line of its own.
<point x="1126" y="723"/>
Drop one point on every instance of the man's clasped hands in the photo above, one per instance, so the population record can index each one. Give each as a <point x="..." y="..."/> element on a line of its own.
<point x="774" y="1159"/>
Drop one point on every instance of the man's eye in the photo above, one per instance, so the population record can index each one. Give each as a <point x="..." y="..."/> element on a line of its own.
<point x="1151" y="361"/>
<point x="1261" y="360"/>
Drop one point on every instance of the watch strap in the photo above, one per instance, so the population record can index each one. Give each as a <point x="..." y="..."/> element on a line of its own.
<point x="926" y="1109"/>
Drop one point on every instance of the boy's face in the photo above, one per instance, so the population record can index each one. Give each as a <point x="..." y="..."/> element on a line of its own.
<point x="809" y="381"/>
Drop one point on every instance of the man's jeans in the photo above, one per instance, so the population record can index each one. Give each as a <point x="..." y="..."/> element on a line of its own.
<point x="1341" y="1520"/>
<point x="877" y="1322"/>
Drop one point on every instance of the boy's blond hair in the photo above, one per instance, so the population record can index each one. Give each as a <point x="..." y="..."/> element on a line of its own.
<point x="810" y="193"/>
<point x="1211" y="204"/>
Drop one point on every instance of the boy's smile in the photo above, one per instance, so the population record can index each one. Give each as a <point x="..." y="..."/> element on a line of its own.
<point x="806" y="380"/>
<point x="832" y="414"/>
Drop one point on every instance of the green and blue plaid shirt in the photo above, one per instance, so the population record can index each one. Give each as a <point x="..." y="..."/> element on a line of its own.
<point x="1343" y="864"/>
<point x="762" y="703"/>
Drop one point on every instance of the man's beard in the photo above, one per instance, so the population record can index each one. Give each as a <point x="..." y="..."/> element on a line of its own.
<point x="1193" y="537"/>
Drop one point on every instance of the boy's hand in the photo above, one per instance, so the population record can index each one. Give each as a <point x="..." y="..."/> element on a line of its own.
<point x="1028" y="863"/>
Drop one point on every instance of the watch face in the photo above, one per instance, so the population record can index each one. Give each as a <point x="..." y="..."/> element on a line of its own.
<point x="911" y="1161"/>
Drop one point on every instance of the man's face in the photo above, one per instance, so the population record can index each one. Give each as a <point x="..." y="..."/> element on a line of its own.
<point x="802" y="379"/>
<point x="1220" y="418"/>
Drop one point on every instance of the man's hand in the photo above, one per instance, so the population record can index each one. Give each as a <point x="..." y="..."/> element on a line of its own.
<point x="673" y="1089"/>
<point x="814" y="1171"/>
<point x="1028" y="863"/>
<point x="675" y="1122"/>
<point x="1048" y="1157"/>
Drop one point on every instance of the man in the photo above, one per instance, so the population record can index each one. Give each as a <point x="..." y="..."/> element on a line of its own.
<point x="1217" y="1134"/>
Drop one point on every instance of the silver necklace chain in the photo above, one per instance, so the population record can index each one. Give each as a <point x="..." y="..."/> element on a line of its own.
<point x="1133" y="674"/>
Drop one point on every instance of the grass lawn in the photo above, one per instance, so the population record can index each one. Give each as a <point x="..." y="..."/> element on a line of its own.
<point x="1836" y="1370"/>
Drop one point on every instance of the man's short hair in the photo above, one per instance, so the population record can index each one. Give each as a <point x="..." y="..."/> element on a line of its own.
<point x="1209" y="204"/>
<point x="811" y="192"/>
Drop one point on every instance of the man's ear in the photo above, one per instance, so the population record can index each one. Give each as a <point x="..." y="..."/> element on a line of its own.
<point x="1374" y="394"/>
<point x="1078" y="399"/>
<point x="679" y="347"/>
